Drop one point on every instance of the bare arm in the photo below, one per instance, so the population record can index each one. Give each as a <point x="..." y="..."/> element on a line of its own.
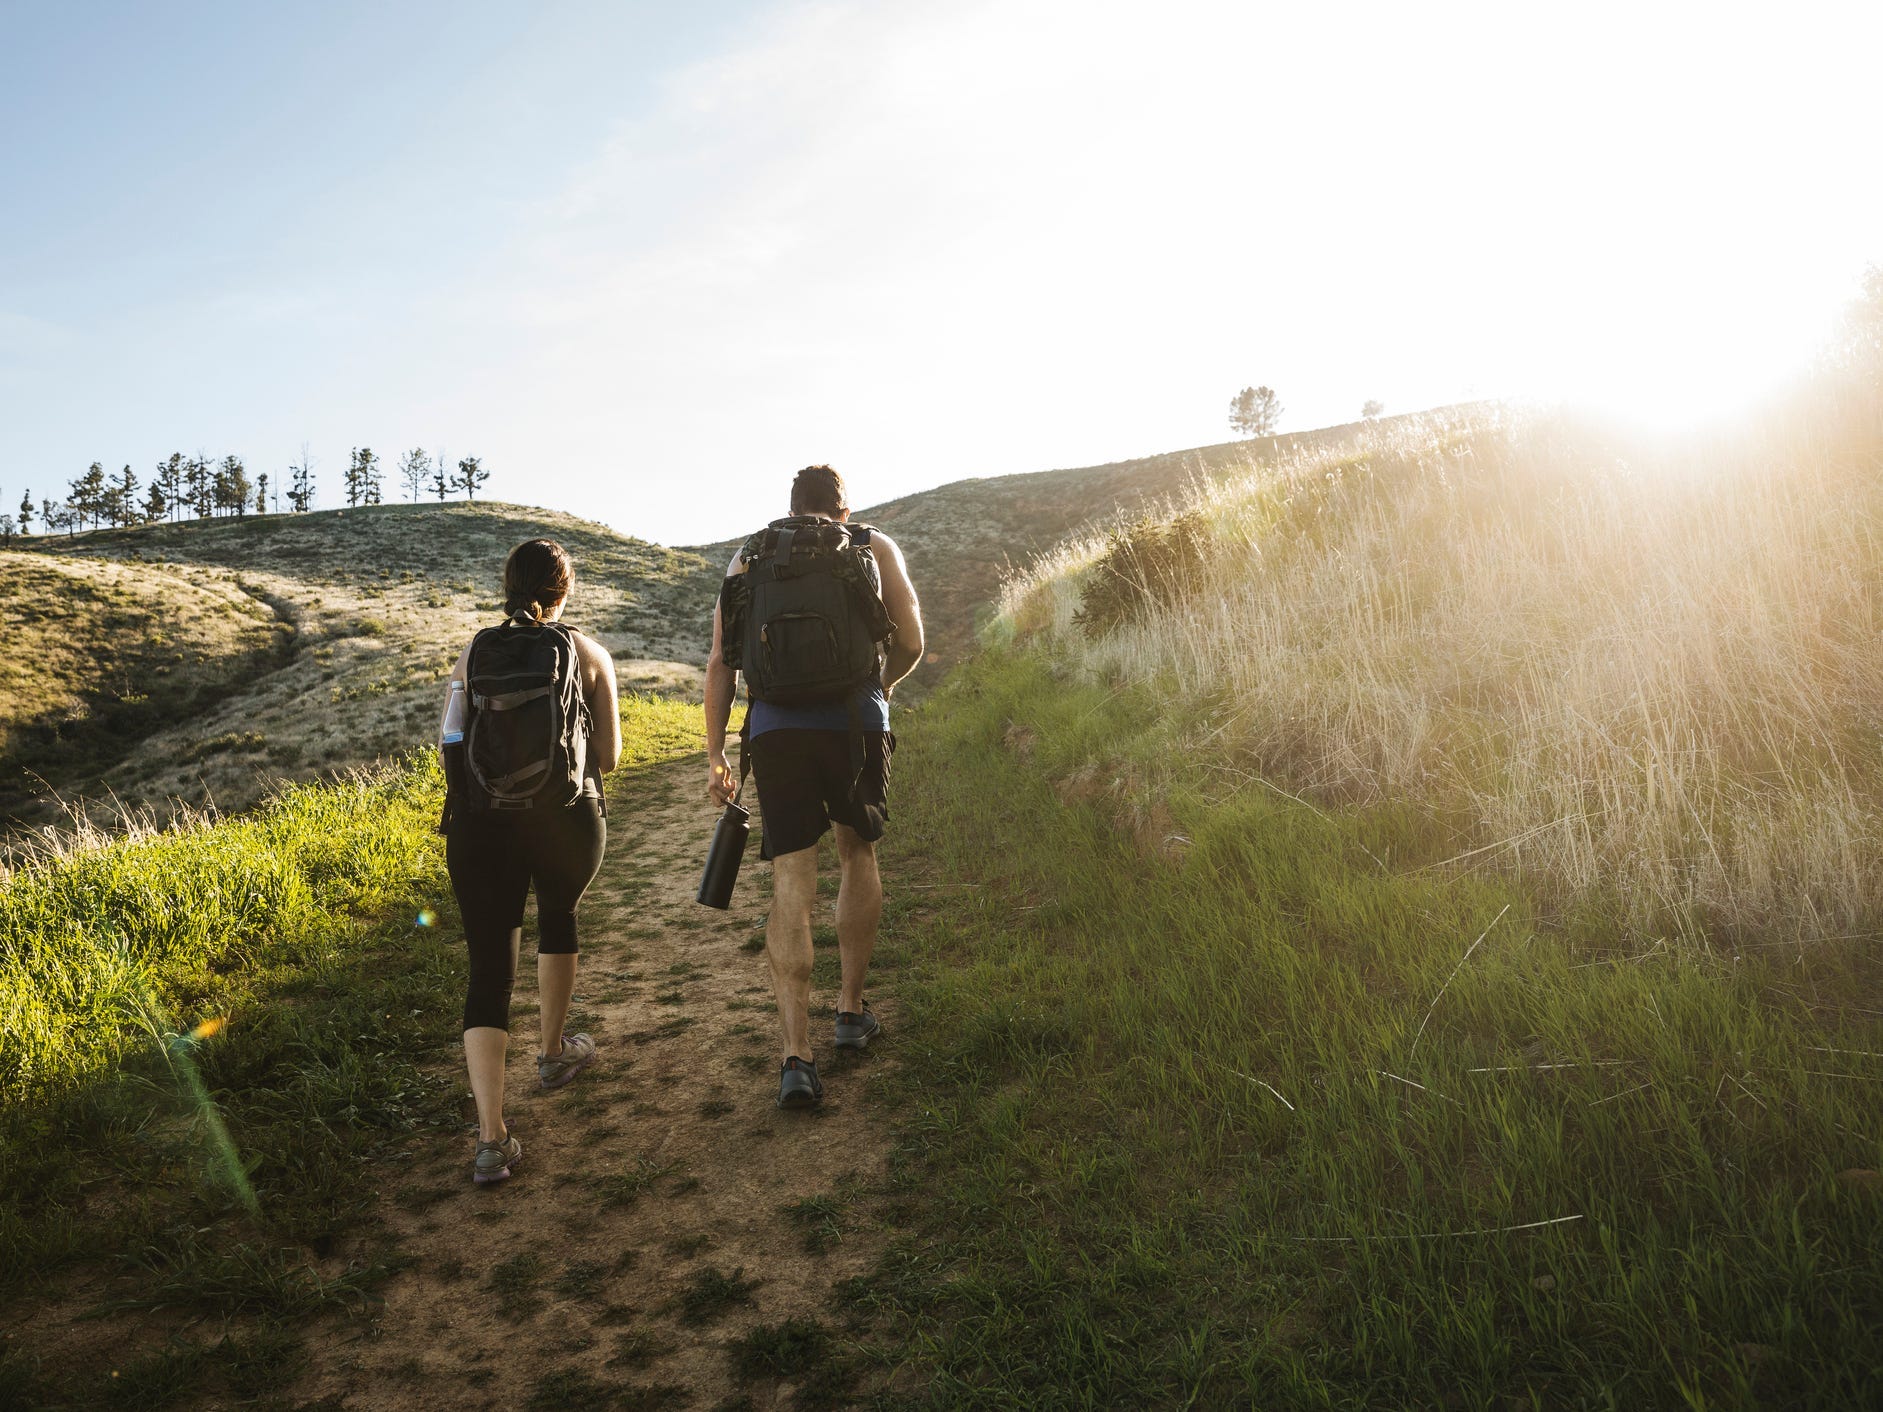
<point x="604" y="702"/>
<point x="721" y="683"/>
<point x="905" y="650"/>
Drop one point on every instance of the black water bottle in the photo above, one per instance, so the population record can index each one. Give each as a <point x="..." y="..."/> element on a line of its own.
<point x="723" y="858"/>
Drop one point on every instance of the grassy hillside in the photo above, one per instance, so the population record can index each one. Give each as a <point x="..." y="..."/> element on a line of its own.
<point x="962" y="539"/>
<point x="100" y="654"/>
<point x="1218" y="1098"/>
<point x="208" y="1039"/>
<point x="374" y="605"/>
<point x="1623" y="675"/>
<point x="1412" y="937"/>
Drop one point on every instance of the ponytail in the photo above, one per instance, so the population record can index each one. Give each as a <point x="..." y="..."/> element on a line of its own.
<point x="538" y="573"/>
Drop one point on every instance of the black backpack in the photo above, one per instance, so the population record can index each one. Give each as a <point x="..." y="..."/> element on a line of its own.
<point x="805" y="622"/>
<point x="526" y="746"/>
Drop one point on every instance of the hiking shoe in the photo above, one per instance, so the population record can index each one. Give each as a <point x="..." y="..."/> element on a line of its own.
<point x="495" y="1159"/>
<point x="856" y="1028"/>
<point x="577" y="1050"/>
<point x="798" y="1084"/>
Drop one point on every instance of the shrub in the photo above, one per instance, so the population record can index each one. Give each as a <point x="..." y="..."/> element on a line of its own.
<point x="1146" y="564"/>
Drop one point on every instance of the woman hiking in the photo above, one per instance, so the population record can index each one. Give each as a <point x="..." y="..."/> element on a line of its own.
<point x="535" y="702"/>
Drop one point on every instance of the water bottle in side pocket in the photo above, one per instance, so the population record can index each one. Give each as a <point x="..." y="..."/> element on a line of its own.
<point x="451" y="750"/>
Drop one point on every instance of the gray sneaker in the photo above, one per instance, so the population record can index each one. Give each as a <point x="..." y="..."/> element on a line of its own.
<point x="856" y="1028"/>
<point x="577" y="1050"/>
<point x="495" y="1159"/>
<point x="799" y="1085"/>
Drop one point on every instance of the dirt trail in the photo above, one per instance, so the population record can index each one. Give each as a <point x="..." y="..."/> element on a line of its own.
<point x="664" y="1207"/>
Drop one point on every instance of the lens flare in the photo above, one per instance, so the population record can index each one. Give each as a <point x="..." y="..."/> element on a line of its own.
<point x="222" y="1150"/>
<point x="426" y="918"/>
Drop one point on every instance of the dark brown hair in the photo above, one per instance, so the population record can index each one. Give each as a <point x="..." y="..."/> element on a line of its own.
<point x="537" y="574"/>
<point x="818" y="490"/>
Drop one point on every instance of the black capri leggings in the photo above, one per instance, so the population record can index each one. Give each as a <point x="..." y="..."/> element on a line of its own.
<point x="494" y="857"/>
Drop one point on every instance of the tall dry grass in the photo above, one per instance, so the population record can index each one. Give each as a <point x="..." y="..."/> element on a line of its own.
<point x="1648" y="672"/>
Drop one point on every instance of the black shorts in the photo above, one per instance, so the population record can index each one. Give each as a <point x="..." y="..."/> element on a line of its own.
<point x="804" y="786"/>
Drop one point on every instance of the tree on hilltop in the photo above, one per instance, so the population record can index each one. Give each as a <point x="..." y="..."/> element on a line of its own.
<point x="1254" y="411"/>
<point x="1863" y="324"/>
<point x="415" y="469"/>
<point x="199" y="486"/>
<point x="1371" y="409"/>
<point x="124" y="507"/>
<point x="441" y="477"/>
<point x="362" y="477"/>
<point x="26" y="513"/>
<point x="301" y="483"/>
<point x="471" y="474"/>
<point x="261" y="493"/>
<point x="167" y="480"/>
<point x="156" y="503"/>
<point x="86" y="499"/>
<point x="6" y="530"/>
<point x="232" y="486"/>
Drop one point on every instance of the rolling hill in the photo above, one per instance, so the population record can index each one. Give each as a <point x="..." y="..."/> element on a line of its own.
<point x="961" y="539"/>
<point x="355" y="616"/>
<point x="352" y="618"/>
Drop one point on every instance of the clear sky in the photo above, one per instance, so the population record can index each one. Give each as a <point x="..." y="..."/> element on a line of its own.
<point x="647" y="259"/>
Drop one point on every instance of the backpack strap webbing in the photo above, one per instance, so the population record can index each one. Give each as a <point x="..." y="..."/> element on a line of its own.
<point x="859" y="757"/>
<point x="508" y="700"/>
<point x="745" y="751"/>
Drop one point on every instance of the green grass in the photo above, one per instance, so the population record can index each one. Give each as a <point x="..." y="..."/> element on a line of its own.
<point x="1268" y="1123"/>
<point x="658" y="728"/>
<point x="99" y="658"/>
<point x="207" y="1034"/>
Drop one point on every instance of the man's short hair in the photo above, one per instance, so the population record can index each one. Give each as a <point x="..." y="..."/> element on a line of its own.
<point x="818" y="490"/>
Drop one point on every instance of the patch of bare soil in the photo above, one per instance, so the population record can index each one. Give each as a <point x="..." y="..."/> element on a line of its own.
<point x="667" y="1220"/>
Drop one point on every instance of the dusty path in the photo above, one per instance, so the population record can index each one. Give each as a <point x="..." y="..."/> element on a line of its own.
<point x="666" y="1219"/>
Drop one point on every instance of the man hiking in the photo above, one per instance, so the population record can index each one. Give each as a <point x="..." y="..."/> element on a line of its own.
<point x="820" y="616"/>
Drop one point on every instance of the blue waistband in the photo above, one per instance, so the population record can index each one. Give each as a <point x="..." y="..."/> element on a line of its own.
<point x="872" y="714"/>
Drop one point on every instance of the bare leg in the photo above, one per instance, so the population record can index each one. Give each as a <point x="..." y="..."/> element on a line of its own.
<point x="859" y="910"/>
<point x="555" y="987"/>
<point x="788" y="947"/>
<point x="483" y="1056"/>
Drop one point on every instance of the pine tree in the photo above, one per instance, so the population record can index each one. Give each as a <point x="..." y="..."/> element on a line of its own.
<point x="199" y="486"/>
<point x="471" y="474"/>
<point x="26" y="513"/>
<point x="301" y="483"/>
<point x="168" y="477"/>
<point x="441" y="478"/>
<point x="126" y="492"/>
<point x="156" y="503"/>
<point x="111" y="504"/>
<point x="261" y="493"/>
<point x="87" y="500"/>
<point x="232" y="479"/>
